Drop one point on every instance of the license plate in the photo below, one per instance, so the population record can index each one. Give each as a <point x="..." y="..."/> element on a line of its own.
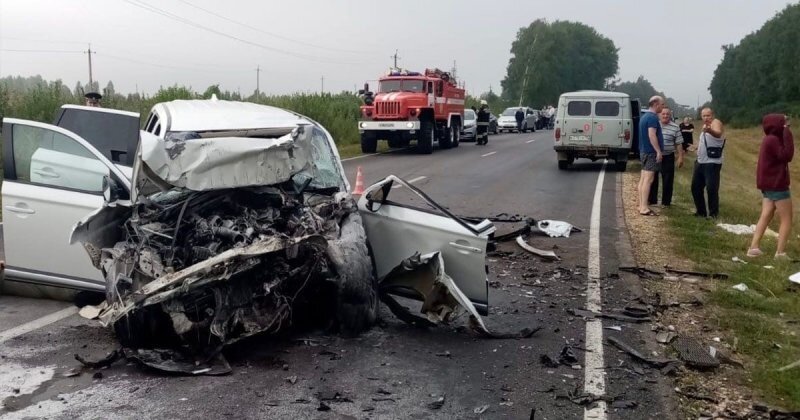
<point x="579" y="138"/>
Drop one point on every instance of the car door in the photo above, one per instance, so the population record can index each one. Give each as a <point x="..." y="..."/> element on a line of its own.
<point x="607" y="124"/>
<point x="578" y="122"/>
<point x="396" y="231"/>
<point x="53" y="178"/>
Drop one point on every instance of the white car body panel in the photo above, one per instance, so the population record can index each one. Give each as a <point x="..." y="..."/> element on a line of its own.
<point x="396" y="232"/>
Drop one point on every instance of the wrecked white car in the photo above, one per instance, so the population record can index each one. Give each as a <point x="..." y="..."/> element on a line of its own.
<point x="240" y="222"/>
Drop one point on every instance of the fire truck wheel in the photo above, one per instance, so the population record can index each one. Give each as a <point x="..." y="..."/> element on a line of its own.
<point x="425" y="139"/>
<point x="369" y="143"/>
<point x="456" y="135"/>
<point x="446" y="139"/>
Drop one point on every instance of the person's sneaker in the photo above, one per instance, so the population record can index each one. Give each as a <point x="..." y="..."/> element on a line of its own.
<point x="755" y="252"/>
<point x="781" y="256"/>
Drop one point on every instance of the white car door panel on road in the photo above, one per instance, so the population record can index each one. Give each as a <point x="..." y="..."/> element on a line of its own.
<point x="396" y="232"/>
<point x="53" y="178"/>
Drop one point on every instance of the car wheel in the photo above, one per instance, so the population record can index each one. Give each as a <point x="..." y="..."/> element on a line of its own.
<point x="369" y="142"/>
<point x="563" y="165"/>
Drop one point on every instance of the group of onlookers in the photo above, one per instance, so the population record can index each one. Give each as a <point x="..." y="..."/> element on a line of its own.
<point x="663" y="144"/>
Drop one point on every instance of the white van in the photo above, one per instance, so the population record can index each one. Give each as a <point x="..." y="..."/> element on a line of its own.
<point x="595" y="125"/>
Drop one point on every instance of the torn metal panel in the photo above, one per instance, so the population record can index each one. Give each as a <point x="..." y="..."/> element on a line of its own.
<point x="540" y="252"/>
<point x="227" y="162"/>
<point x="442" y="300"/>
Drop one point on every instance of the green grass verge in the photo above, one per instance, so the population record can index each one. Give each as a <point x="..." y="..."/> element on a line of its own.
<point x="765" y="319"/>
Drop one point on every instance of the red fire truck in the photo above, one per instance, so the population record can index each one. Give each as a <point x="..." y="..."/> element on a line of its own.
<point x="425" y="107"/>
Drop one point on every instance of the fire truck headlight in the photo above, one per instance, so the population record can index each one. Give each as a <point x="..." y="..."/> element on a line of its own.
<point x="363" y="125"/>
<point x="410" y="125"/>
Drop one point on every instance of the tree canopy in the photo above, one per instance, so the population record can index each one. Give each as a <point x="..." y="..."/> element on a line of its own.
<point x="644" y="90"/>
<point x="560" y="57"/>
<point x="760" y="74"/>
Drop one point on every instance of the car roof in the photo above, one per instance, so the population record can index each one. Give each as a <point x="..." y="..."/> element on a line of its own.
<point x="595" y="94"/>
<point x="217" y="115"/>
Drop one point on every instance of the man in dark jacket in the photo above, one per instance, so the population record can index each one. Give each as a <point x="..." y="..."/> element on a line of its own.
<point x="483" y="124"/>
<point x="519" y="116"/>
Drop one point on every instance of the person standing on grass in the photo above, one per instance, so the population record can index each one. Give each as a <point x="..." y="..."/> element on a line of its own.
<point x="672" y="145"/>
<point x="687" y="130"/>
<point x="650" y="151"/>
<point x="708" y="166"/>
<point x="772" y="178"/>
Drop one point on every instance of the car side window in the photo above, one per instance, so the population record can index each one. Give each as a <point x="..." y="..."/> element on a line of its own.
<point x="47" y="157"/>
<point x="151" y="123"/>
<point x="606" y="109"/>
<point x="579" y="108"/>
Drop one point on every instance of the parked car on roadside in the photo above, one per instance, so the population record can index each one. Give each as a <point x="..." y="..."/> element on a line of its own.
<point x="469" y="129"/>
<point x="492" y="124"/>
<point x="508" y="122"/>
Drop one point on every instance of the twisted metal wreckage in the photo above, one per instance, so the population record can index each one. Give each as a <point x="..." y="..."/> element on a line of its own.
<point x="227" y="237"/>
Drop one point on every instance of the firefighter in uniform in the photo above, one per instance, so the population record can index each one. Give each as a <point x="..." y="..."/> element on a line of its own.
<point x="483" y="124"/>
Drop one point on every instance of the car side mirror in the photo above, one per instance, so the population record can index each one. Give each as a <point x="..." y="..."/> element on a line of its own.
<point x="112" y="191"/>
<point x="377" y="197"/>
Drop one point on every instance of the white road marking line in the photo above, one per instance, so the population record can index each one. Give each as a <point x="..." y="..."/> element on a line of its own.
<point x="594" y="381"/>
<point x="411" y="181"/>
<point x="488" y="154"/>
<point x="359" y="157"/>
<point x="530" y="141"/>
<point x="37" y="323"/>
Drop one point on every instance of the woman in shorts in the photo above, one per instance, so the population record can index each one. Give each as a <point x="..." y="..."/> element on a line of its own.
<point x="772" y="178"/>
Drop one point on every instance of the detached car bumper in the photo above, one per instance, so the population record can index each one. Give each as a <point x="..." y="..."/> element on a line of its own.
<point x="388" y="125"/>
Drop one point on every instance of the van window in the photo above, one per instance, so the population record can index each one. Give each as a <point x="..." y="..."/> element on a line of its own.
<point x="606" y="109"/>
<point x="579" y="108"/>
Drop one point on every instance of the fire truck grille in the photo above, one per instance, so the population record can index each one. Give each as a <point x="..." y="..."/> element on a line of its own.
<point x="389" y="108"/>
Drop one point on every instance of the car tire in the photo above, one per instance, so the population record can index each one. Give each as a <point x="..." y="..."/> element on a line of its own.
<point x="563" y="165"/>
<point x="456" y="135"/>
<point x="369" y="142"/>
<point x="425" y="139"/>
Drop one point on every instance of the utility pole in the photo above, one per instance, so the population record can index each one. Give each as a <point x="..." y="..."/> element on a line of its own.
<point x="454" y="70"/>
<point x="322" y="84"/>
<point x="527" y="64"/>
<point x="395" y="58"/>
<point x="258" y="81"/>
<point x="91" y="79"/>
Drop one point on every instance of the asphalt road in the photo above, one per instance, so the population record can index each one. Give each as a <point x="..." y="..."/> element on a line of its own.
<point x="394" y="370"/>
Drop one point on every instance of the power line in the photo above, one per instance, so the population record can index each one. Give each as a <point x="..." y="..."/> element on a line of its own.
<point x="152" y="9"/>
<point x="307" y="44"/>
<point x="115" y="57"/>
<point x="42" y="51"/>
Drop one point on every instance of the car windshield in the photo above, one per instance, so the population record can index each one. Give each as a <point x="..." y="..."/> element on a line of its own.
<point x="510" y="112"/>
<point x="469" y="114"/>
<point x="402" y="85"/>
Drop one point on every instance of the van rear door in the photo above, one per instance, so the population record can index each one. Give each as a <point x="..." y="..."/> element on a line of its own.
<point x="607" y="123"/>
<point x="578" y="122"/>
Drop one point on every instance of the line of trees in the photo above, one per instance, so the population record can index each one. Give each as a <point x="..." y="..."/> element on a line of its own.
<point x="644" y="90"/>
<point x="761" y="74"/>
<point x="37" y="99"/>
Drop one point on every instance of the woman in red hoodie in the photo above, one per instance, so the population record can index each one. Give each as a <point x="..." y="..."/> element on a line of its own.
<point x="772" y="178"/>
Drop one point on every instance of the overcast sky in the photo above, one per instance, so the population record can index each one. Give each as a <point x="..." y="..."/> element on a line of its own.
<point x="675" y="44"/>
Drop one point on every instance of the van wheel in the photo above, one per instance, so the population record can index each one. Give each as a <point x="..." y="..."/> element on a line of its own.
<point x="621" y="166"/>
<point x="563" y="165"/>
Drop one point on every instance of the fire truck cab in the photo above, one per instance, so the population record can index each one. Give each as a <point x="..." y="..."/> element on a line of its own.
<point x="427" y="107"/>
